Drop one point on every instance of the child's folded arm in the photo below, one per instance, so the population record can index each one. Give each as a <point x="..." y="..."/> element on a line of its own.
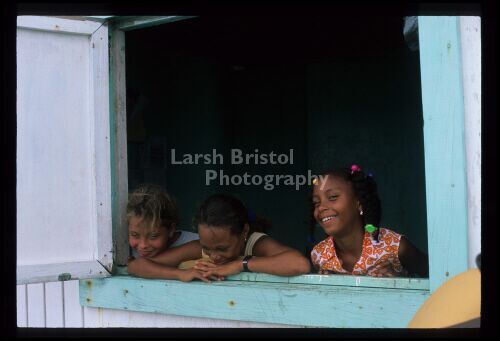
<point x="174" y="256"/>
<point x="142" y="267"/>
<point x="287" y="263"/>
<point x="274" y="258"/>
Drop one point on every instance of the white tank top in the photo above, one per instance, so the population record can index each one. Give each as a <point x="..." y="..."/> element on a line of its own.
<point x="254" y="237"/>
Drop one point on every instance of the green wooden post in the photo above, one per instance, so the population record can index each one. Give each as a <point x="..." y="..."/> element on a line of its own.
<point x="118" y="122"/>
<point x="445" y="168"/>
<point x="112" y="144"/>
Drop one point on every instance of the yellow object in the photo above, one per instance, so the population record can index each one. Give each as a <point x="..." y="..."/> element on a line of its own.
<point x="457" y="301"/>
<point x="190" y="263"/>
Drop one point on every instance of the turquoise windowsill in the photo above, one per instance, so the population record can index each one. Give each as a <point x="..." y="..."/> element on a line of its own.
<point x="309" y="300"/>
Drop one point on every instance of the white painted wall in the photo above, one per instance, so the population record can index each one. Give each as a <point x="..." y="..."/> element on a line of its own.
<point x="54" y="167"/>
<point x="470" y="33"/>
<point x="50" y="304"/>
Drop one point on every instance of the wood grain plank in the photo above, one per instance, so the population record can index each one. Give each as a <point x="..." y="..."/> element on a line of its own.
<point x="470" y="39"/>
<point x="36" y="305"/>
<point x="277" y="303"/>
<point x="54" y="304"/>
<point x="444" y="146"/>
<point x="22" y="305"/>
<point x="73" y="311"/>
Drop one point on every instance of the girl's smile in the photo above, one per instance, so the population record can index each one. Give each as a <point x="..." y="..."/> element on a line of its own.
<point x="335" y="206"/>
<point x="147" y="241"/>
<point x="144" y="253"/>
<point x="330" y="219"/>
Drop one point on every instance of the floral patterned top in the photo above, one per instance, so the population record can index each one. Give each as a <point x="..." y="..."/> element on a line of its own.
<point x="375" y="255"/>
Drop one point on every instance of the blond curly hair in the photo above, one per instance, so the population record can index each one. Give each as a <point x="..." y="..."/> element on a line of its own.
<point x="154" y="206"/>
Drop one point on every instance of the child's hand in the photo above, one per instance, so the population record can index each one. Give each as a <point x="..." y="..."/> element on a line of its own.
<point x="204" y="266"/>
<point x="190" y="274"/>
<point x="386" y="270"/>
<point x="219" y="271"/>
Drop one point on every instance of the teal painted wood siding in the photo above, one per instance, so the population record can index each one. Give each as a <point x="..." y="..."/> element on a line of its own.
<point x="445" y="168"/>
<point x="337" y="280"/>
<point x="315" y="279"/>
<point x="293" y="304"/>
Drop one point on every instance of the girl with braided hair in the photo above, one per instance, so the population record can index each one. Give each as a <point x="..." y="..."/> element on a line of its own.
<point x="347" y="207"/>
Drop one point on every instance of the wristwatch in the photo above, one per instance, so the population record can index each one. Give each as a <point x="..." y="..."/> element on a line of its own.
<point x="245" y="263"/>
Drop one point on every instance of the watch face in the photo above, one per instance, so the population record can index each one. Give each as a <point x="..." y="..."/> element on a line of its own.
<point x="245" y="263"/>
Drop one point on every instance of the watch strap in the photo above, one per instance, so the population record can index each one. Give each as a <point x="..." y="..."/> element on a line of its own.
<point x="245" y="263"/>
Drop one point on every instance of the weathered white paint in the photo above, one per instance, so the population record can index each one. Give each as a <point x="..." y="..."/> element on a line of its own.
<point x="36" y="305"/>
<point x="51" y="272"/>
<point x="99" y="98"/>
<point x="73" y="313"/>
<point x="470" y="33"/>
<point x="51" y="24"/>
<point x="92" y="318"/>
<point x="54" y="304"/>
<point x="63" y="164"/>
<point x="22" y="307"/>
<point x="53" y="119"/>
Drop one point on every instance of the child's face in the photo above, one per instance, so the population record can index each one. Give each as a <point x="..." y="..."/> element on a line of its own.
<point x="336" y="209"/>
<point x="147" y="241"/>
<point x="220" y="244"/>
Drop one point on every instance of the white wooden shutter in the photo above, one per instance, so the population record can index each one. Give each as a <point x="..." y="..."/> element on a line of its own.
<point x="64" y="228"/>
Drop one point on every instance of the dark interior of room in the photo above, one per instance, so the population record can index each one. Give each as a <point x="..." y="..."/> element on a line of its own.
<point x="336" y="89"/>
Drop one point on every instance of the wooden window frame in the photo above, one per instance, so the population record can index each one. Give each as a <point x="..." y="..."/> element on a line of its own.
<point x="314" y="300"/>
